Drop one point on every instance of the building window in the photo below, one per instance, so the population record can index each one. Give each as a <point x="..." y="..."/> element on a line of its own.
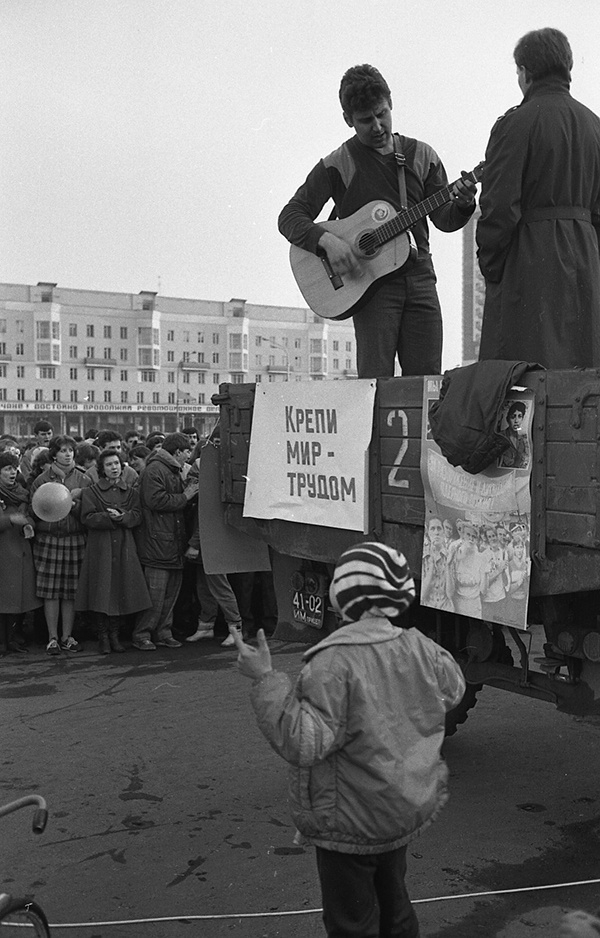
<point x="20" y="394"/>
<point x="155" y="397"/>
<point x="336" y="364"/>
<point x="20" y="371"/>
<point x="2" y="371"/>
<point x="170" y="356"/>
<point x="107" y="397"/>
<point x="107" y="374"/>
<point x="107" y="332"/>
<point x="73" y="396"/>
<point x="170" y="335"/>
<point x="3" y="394"/>
<point x="47" y="371"/>
<point x="215" y="358"/>
<point x="148" y="376"/>
<point x="124" y="397"/>
<point x="19" y="326"/>
<point x="201" y="398"/>
<point x="348" y="364"/>
<point x="89" y="331"/>
<point x="91" y="374"/>
<point x="201" y="357"/>
<point x="20" y="349"/>
<point x="235" y="340"/>
<point x="140" y="397"/>
<point x="239" y="378"/>
<point x="90" y="351"/>
<point x="39" y="394"/>
<point x="171" y="397"/>
<point x="72" y="328"/>
<point x="108" y="353"/>
<point x="186" y="335"/>
<point x="258" y="379"/>
<point x="186" y="377"/>
<point x="2" y="348"/>
<point x="144" y="357"/>
<point x="348" y="346"/>
<point x="56" y="394"/>
<point x="73" y="374"/>
<point x="123" y="354"/>
<point x="124" y="375"/>
<point x="91" y="396"/>
<point x="42" y="330"/>
<point x="72" y="351"/>
<point x="336" y="346"/>
<point x="297" y="343"/>
<point x="258" y="361"/>
<point x="123" y="332"/>
<point x="215" y="377"/>
<point x="215" y="338"/>
<point x="186" y="357"/>
<point x="200" y="337"/>
<point x="201" y="377"/>
<point x="2" y="325"/>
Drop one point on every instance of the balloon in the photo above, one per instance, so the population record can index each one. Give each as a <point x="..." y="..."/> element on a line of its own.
<point x="52" y="501"/>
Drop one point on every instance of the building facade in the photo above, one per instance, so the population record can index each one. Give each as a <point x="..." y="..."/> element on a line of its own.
<point x="86" y="359"/>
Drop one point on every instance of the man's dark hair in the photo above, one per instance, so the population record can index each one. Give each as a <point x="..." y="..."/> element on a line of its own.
<point x="107" y="436"/>
<point x="544" y="52"/>
<point x="153" y="438"/>
<point x="362" y="87"/>
<point x="131" y="433"/>
<point x="9" y="459"/>
<point x="85" y="451"/>
<point x="140" y="450"/>
<point x="42" y="426"/>
<point x="174" y="441"/>
<point x="189" y="428"/>
<point x="517" y="408"/>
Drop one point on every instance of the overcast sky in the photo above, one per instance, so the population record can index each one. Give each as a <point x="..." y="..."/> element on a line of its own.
<point x="150" y="144"/>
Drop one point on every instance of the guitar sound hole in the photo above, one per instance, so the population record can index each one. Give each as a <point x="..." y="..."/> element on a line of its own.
<point x="367" y="243"/>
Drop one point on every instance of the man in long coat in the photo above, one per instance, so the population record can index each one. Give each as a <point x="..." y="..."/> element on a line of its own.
<point x="540" y="218"/>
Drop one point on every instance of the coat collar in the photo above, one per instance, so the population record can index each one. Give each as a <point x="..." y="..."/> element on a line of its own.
<point x="364" y="632"/>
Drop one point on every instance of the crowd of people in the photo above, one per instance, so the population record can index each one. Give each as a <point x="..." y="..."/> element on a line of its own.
<point x="123" y="564"/>
<point x="477" y="570"/>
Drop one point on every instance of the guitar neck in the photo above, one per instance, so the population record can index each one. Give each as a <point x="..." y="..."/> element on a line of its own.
<point x="410" y="216"/>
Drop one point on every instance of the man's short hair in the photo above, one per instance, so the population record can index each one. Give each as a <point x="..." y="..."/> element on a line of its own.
<point x="107" y="436"/>
<point x="141" y="451"/>
<point x="131" y="433"/>
<point x="85" y="451"/>
<point x="544" y="52"/>
<point x="174" y="441"/>
<point x="362" y="87"/>
<point x="9" y="459"/>
<point x="42" y="426"/>
<point x="190" y="429"/>
<point x="153" y="438"/>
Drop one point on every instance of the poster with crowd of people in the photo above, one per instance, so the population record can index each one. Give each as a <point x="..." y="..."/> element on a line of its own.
<point x="476" y="553"/>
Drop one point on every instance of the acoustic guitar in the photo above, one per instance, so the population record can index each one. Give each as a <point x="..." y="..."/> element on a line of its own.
<point x="380" y="237"/>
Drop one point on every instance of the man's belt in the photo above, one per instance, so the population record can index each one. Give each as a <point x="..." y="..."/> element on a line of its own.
<point x="557" y="211"/>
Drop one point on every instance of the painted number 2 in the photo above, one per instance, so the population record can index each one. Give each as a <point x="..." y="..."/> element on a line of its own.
<point x="393" y="479"/>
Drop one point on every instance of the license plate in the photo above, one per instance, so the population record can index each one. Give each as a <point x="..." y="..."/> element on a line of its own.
<point x="308" y="600"/>
<point x="308" y="608"/>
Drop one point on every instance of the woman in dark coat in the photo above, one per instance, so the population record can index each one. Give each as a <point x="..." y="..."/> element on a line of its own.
<point x="112" y="583"/>
<point x="540" y="218"/>
<point x="17" y="573"/>
<point x="59" y="546"/>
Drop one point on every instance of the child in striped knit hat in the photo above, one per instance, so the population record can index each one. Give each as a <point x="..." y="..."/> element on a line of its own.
<point x="362" y="730"/>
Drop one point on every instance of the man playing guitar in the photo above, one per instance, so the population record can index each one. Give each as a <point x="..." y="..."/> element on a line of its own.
<point x="400" y="315"/>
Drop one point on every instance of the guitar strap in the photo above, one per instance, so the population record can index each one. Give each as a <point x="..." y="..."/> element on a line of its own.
<point x="400" y="164"/>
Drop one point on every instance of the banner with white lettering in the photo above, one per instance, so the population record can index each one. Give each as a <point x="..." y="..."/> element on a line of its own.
<point x="308" y="453"/>
<point x="476" y="548"/>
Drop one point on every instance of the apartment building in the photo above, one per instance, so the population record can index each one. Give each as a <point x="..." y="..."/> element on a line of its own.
<point x="84" y="359"/>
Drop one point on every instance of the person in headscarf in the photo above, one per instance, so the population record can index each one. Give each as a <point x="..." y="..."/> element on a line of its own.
<point x="362" y="730"/>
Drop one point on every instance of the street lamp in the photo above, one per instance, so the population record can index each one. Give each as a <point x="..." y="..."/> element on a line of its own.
<point x="274" y="344"/>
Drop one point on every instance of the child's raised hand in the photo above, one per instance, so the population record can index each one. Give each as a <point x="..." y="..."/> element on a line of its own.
<point x="252" y="662"/>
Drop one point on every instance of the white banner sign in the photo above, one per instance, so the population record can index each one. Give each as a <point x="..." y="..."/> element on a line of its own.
<point x="308" y="453"/>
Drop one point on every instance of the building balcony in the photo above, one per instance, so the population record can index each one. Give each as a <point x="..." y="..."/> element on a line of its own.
<point x="279" y="369"/>
<point x="5" y="358"/>
<point x="192" y="366"/>
<point x="100" y="362"/>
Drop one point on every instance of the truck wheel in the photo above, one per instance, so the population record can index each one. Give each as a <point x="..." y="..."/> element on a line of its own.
<point x="460" y="713"/>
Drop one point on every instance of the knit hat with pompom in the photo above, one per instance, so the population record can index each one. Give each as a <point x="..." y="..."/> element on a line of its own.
<point x="371" y="580"/>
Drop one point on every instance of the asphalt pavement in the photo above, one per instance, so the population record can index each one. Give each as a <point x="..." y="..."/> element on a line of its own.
<point x="168" y="813"/>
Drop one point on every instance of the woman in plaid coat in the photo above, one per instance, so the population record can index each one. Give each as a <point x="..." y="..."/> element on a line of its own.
<point x="59" y="547"/>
